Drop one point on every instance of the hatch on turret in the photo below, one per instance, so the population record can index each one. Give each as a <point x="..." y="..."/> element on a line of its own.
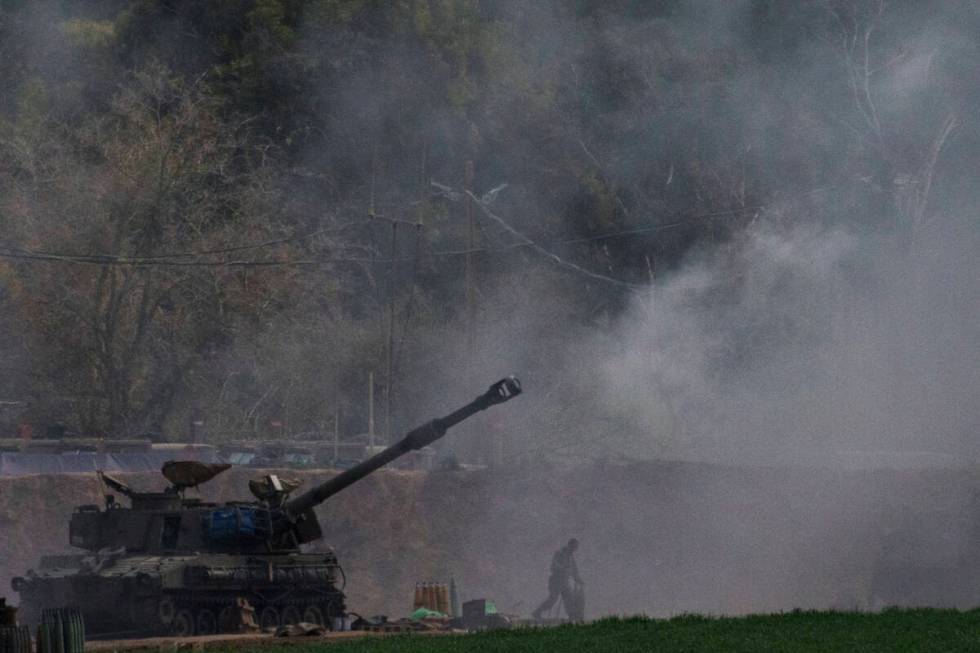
<point x="190" y="473"/>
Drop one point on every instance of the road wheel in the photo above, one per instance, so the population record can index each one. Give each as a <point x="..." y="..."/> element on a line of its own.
<point x="166" y="610"/>
<point x="291" y="615"/>
<point x="331" y="612"/>
<point x="183" y="623"/>
<point x="313" y="615"/>
<point x="207" y="623"/>
<point x="227" y="620"/>
<point x="269" y="617"/>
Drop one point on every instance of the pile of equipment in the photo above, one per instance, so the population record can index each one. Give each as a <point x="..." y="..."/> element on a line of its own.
<point x="13" y="638"/>
<point x="431" y="597"/>
<point x="61" y="631"/>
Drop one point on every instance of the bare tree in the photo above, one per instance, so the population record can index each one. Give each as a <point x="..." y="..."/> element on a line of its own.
<point x="121" y="206"/>
<point x="910" y="169"/>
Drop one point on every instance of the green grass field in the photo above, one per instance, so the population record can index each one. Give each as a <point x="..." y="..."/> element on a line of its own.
<point x="943" y="631"/>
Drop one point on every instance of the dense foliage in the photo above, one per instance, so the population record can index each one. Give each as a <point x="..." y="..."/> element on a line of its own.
<point x="222" y="209"/>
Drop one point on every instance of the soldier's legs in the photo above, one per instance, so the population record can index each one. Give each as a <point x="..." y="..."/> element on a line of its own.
<point x="548" y="603"/>
<point x="572" y="599"/>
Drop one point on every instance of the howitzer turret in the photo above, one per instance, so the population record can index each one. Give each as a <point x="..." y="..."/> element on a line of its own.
<point x="169" y="563"/>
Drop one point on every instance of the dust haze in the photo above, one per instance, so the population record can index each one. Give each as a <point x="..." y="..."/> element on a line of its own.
<point x="736" y="428"/>
<point x="797" y="392"/>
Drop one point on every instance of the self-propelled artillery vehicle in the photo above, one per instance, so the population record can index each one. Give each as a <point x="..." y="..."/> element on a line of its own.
<point x="170" y="564"/>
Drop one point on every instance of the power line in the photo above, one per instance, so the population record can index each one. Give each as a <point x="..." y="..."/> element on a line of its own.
<point x="155" y="258"/>
<point x="179" y="259"/>
<point x="124" y="261"/>
<point x="261" y="245"/>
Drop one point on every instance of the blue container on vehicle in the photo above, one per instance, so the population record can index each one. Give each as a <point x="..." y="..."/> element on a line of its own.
<point x="235" y="523"/>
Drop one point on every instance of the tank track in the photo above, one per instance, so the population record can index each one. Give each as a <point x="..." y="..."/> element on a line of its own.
<point x="185" y="614"/>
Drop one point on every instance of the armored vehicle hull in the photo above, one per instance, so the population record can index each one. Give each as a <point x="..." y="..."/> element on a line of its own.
<point x="136" y="595"/>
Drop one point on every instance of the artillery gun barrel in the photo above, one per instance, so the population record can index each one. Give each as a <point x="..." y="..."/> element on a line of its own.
<point x="417" y="438"/>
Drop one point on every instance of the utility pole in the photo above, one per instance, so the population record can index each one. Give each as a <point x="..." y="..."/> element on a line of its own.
<point x="470" y="290"/>
<point x="488" y="445"/>
<point x="390" y="327"/>
<point x="371" y="214"/>
<point x="374" y="176"/>
<point x="371" y="410"/>
<point x="336" y="433"/>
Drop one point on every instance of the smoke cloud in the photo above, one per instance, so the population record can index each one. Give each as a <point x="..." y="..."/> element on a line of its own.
<point x="833" y="338"/>
<point x="784" y="373"/>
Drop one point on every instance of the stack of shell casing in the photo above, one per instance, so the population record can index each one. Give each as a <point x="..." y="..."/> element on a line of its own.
<point x="432" y="596"/>
<point x="61" y="631"/>
<point x="15" y="639"/>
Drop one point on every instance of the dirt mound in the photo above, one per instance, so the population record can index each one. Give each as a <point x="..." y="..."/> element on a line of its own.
<point x="659" y="538"/>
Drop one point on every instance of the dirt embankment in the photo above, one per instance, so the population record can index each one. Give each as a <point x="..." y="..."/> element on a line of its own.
<point x="659" y="538"/>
